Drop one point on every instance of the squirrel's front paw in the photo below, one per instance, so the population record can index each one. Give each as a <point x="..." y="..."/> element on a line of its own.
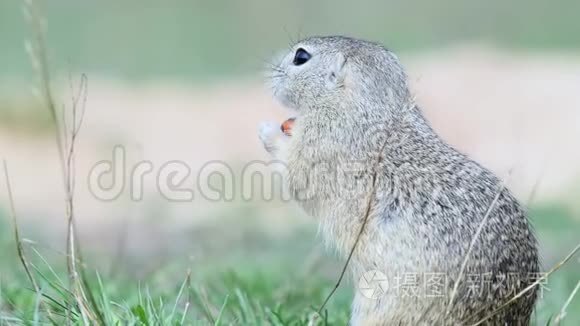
<point x="270" y="134"/>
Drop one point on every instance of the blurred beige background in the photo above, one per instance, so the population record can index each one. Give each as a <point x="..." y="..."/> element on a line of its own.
<point x="507" y="111"/>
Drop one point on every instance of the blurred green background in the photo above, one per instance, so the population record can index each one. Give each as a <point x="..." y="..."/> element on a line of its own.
<point x="204" y="39"/>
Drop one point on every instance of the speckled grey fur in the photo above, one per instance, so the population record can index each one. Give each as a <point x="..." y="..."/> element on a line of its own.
<point x="353" y="108"/>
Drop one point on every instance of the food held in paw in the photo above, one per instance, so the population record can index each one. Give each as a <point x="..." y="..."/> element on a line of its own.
<point x="287" y="125"/>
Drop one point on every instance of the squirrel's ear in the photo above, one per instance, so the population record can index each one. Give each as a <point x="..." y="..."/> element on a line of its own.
<point x="337" y="73"/>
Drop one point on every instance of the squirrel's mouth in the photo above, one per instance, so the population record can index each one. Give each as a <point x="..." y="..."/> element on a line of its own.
<point x="287" y="126"/>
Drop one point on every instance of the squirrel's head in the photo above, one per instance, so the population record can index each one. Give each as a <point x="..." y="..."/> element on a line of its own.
<point x="335" y="70"/>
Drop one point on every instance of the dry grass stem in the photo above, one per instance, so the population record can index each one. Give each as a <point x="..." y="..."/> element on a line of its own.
<point x="368" y="209"/>
<point x="531" y="286"/>
<point x="470" y="248"/>
<point x="18" y="239"/>
<point x="562" y="313"/>
<point x="66" y="136"/>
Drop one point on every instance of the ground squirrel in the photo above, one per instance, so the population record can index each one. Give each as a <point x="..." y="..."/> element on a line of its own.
<point x="356" y="126"/>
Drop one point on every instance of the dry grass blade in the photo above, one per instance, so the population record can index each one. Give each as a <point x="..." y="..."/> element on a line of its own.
<point x="209" y="309"/>
<point x="360" y="232"/>
<point x="66" y="139"/>
<point x="34" y="245"/>
<point x="313" y="319"/>
<point x="188" y="302"/>
<point x="368" y="209"/>
<point x="186" y="284"/>
<point x="470" y="248"/>
<point x="39" y="58"/>
<point x="562" y="313"/>
<point x="19" y="246"/>
<point x="531" y="286"/>
<point x="18" y="239"/>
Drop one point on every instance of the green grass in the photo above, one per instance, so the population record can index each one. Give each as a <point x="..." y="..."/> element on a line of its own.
<point x="248" y="277"/>
<point x="242" y="297"/>
<point x="249" y="285"/>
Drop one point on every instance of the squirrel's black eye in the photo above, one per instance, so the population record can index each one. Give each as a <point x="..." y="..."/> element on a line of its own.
<point x="301" y="57"/>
